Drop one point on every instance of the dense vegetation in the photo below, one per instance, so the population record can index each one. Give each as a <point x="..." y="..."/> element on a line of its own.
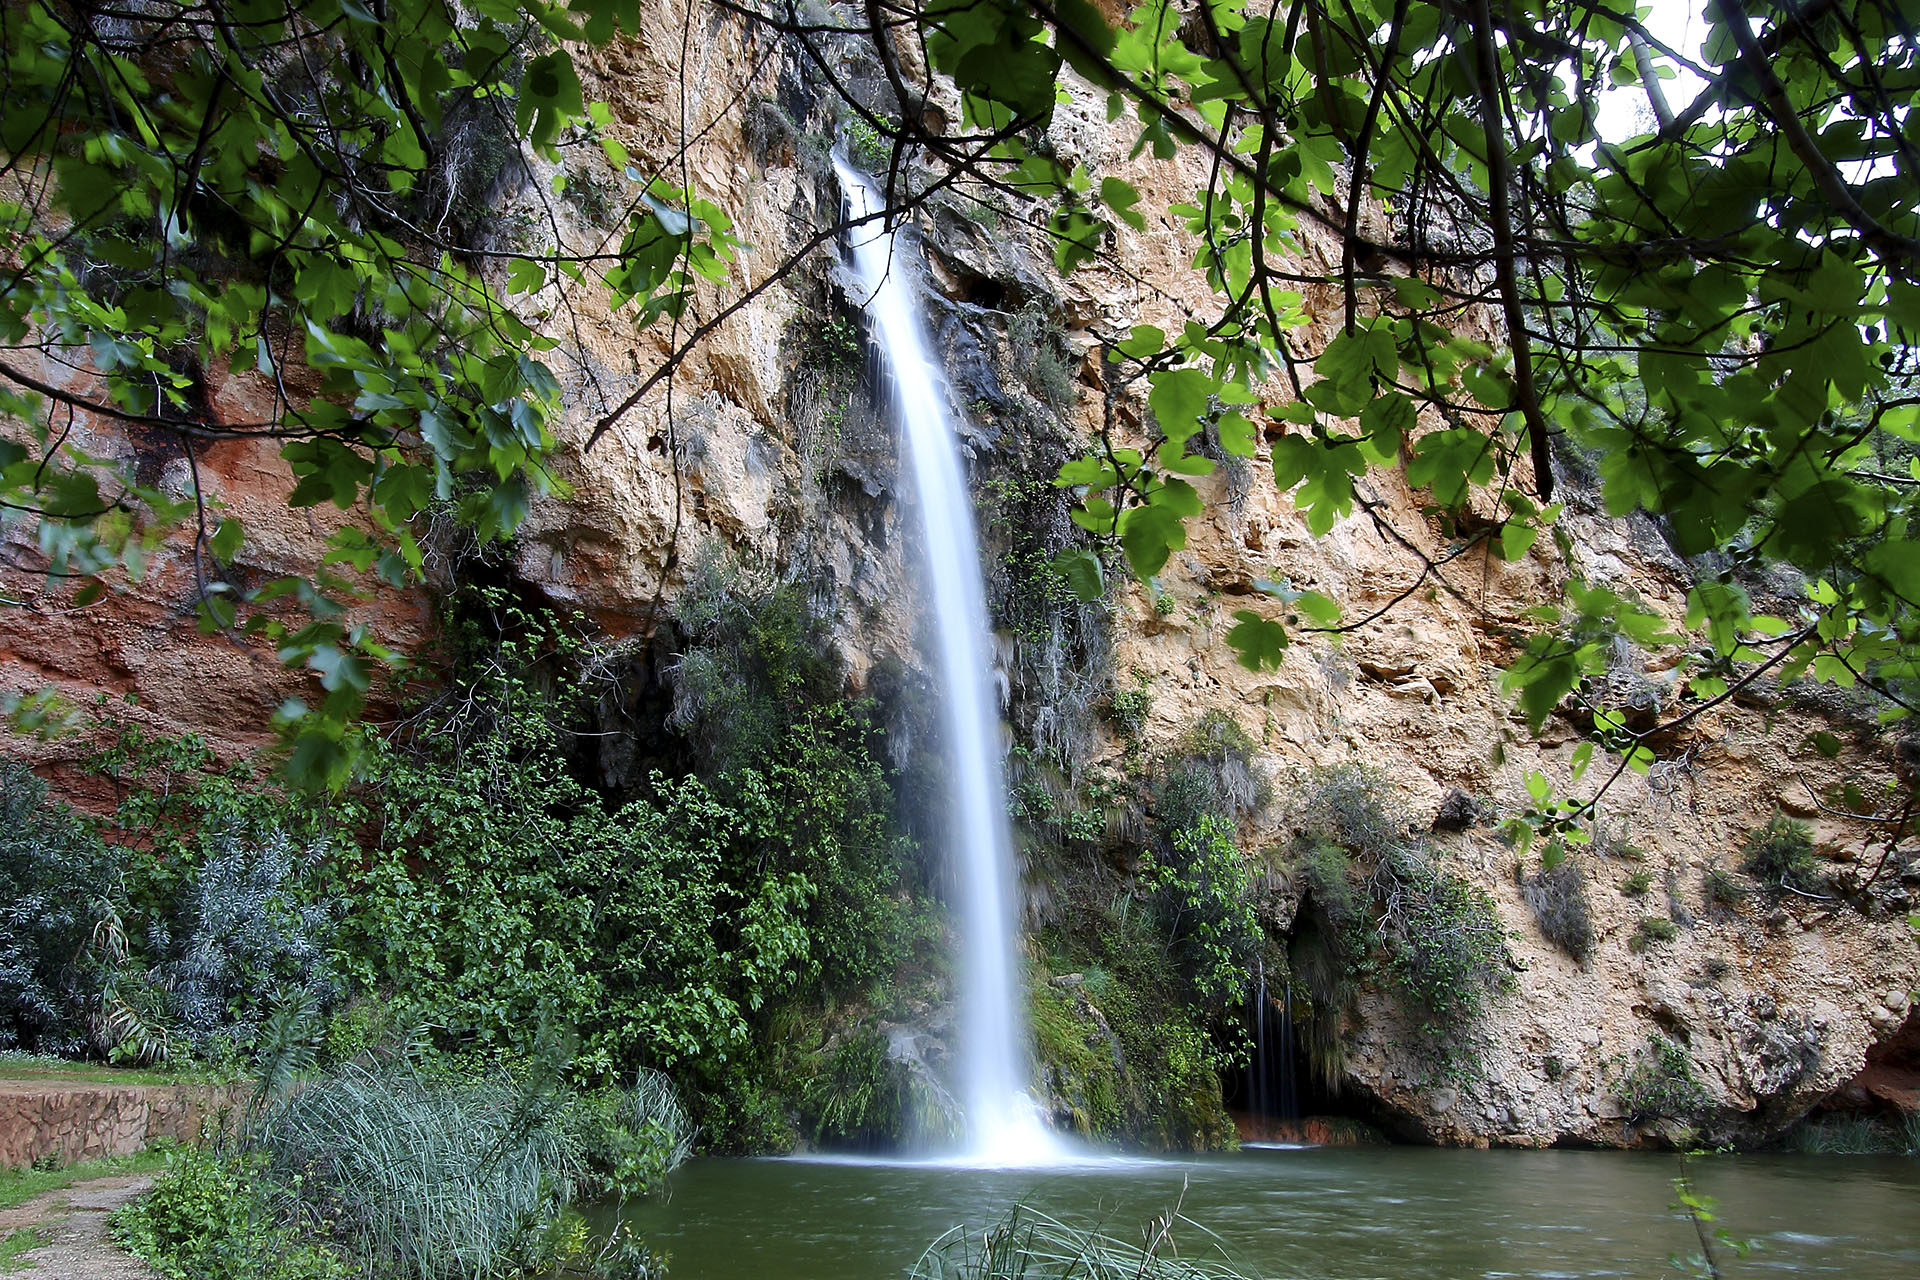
<point x="670" y="930"/>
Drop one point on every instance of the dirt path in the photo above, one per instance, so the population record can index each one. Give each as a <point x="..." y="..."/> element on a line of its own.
<point x="76" y="1221"/>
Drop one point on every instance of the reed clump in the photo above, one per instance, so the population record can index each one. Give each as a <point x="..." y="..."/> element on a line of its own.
<point x="429" y="1177"/>
<point x="1029" y="1244"/>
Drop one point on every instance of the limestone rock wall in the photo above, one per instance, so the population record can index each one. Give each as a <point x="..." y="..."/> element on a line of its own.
<point x="1776" y="1003"/>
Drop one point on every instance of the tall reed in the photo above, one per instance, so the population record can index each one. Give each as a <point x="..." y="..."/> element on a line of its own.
<point x="1029" y="1244"/>
<point x="428" y="1178"/>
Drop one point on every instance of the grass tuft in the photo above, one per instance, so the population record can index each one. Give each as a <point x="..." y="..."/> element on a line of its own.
<point x="17" y="1242"/>
<point x="1029" y="1244"/>
<point x="428" y="1177"/>
<point x="17" y="1186"/>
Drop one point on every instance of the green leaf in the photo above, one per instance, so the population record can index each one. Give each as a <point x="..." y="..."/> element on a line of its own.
<point x="1258" y="643"/>
<point x="1144" y="341"/>
<point x="549" y="94"/>
<point x="1449" y="463"/>
<point x="1148" y="535"/>
<point x="1082" y="572"/>
<point x="225" y="543"/>
<point x="1322" y="609"/>
<point x="1120" y="197"/>
<point x="1238" y="435"/>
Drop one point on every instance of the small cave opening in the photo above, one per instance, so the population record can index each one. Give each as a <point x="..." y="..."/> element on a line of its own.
<point x="1277" y="1096"/>
<point x="1291" y="1087"/>
<point x="982" y="291"/>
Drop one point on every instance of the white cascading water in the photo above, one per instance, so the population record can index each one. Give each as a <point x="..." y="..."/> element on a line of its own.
<point x="1003" y="1127"/>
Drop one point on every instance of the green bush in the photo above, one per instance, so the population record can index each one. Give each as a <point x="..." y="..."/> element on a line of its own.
<point x="866" y="1099"/>
<point x="1651" y="930"/>
<point x="1663" y="1085"/>
<point x="658" y="930"/>
<point x="1558" y="896"/>
<point x="1210" y="771"/>
<point x="1128" y="709"/>
<point x="57" y="881"/>
<point x="1347" y="805"/>
<point x="1637" y="883"/>
<point x="221" y="1216"/>
<point x="756" y="658"/>
<point x="868" y="148"/>
<point x="1138" y="1066"/>
<point x="630" y="1139"/>
<point x="1447" y="948"/>
<point x="1201" y="891"/>
<point x="443" y="1176"/>
<point x="1780" y="856"/>
<point x="1439" y="937"/>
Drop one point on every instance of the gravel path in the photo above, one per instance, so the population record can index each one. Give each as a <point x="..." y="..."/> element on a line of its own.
<point x="76" y="1220"/>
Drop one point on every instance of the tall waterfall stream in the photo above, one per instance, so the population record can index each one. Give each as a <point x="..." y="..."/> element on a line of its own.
<point x="1003" y="1126"/>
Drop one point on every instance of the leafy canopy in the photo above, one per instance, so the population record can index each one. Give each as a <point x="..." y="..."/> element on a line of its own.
<point x="1714" y="314"/>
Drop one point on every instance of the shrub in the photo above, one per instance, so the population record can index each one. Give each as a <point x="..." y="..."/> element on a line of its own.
<point x="1558" y="896"/>
<point x="756" y="658"/>
<point x="439" y="1177"/>
<point x="660" y="931"/>
<point x="252" y="934"/>
<point x="1447" y="948"/>
<point x="1662" y="1084"/>
<point x="1037" y="345"/>
<point x="57" y="881"/>
<point x="1637" y="883"/>
<point x="868" y="148"/>
<point x="1211" y="770"/>
<point x="1780" y="855"/>
<point x="630" y="1139"/>
<point x="1650" y="930"/>
<point x="219" y="1216"/>
<point x="1135" y="1065"/>
<point x="1128" y="709"/>
<point x="865" y="1098"/>
<point x="1202" y="893"/>
<point x="1346" y="804"/>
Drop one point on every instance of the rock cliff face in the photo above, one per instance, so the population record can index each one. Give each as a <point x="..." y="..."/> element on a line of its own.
<point x="764" y="441"/>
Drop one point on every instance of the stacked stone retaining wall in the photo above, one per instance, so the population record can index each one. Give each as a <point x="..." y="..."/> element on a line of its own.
<point x="68" y="1120"/>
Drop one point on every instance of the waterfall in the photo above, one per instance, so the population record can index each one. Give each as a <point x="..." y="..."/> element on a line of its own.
<point x="1258" y="1099"/>
<point x="1272" y="1091"/>
<point x="1003" y="1126"/>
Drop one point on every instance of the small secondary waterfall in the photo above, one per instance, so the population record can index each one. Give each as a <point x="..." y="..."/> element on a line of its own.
<point x="1271" y="1089"/>
<point x="1003" y="1126"/>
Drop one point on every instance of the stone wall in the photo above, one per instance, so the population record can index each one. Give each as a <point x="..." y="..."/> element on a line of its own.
<point x="69" y="1120"/>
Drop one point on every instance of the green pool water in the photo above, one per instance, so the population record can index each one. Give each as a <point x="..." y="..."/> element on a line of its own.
<point x="1351" y="1214"/>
